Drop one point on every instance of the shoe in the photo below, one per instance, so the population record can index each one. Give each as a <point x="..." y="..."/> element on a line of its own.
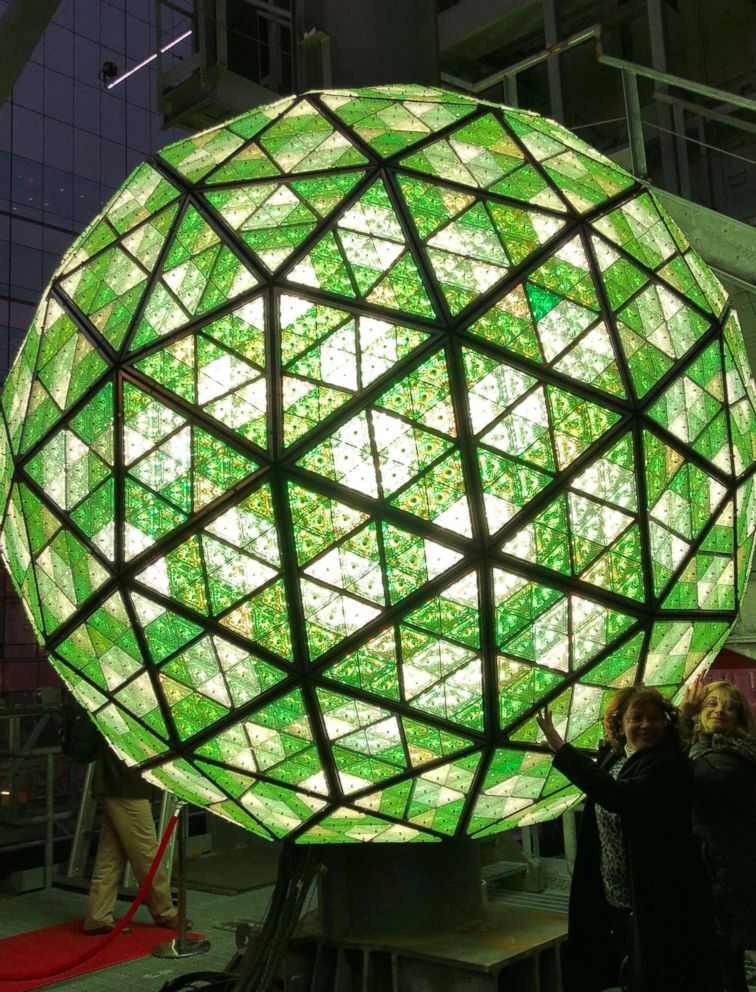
<point x="102" y="931"/>
<point x="172" y="922"/>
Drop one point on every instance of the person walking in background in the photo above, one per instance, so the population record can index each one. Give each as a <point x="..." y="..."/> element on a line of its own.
<point x="638" y="904"/>
<point x="128" y="835"/>
<point x="723" y="756"/>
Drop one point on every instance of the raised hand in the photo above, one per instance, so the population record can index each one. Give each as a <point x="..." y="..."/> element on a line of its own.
<point x="554" y="739"/>
<point x="695" y="694"/>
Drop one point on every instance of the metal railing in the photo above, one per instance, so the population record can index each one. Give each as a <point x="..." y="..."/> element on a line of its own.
<point x="37" y="784"/>
<point x="631" y="72"/>
<point x="635" y="122"/>
<point x="507" y="78"/>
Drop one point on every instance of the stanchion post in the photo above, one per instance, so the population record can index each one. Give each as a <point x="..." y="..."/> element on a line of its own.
<point x="50" y="818"/>
<point x="183" y="946"/>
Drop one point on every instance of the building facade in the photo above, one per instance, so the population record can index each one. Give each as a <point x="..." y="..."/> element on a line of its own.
<point x="67" y="142"/>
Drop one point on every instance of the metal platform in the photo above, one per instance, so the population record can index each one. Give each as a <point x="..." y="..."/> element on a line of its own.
<point x="510" y="949"/>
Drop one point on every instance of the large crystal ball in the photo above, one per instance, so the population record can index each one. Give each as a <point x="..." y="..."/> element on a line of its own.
<point x="356" y="429"/>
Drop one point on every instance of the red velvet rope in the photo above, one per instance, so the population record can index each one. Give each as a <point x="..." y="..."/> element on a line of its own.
<point x="144" y="888"/>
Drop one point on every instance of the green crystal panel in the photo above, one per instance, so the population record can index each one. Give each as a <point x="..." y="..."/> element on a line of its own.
<point x="639" y="228"/>
<point x="199" y="273"/>
<point x="366" y="740"/>
<point x="144" y="193"/>
<point x="366" y="256"/>
<point x="483" y="155"/>
<point x="390" y="125"/>
<point x="17" y="394"/>
<point x="583" y="176"/>
<point x="196" y="156"/>
<point x="221" y="369"/>
<point x="274" y="218"/>
<point x="682" y="498"/>
<point x="691" y="408"/>
<point x="471" y="243"/>
<point x="108" y="289"/>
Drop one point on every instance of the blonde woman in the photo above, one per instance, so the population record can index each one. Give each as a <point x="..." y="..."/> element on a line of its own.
<point x="723" y="753"/>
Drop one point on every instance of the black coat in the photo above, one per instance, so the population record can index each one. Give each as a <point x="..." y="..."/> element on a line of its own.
<point x="669" y="930"/>
<point x="724" y="818"/>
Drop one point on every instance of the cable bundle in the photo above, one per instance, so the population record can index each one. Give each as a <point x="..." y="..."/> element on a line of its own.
<point x="296" y="871"/>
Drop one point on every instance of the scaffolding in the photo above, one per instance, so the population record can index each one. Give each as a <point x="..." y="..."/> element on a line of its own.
<point x="39" y="788"/>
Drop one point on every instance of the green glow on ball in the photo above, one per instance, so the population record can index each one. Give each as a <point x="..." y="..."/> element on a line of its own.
<point x="352" y="431"/>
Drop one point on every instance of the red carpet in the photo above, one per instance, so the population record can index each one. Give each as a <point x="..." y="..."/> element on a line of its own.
<point x="43" y="950"/>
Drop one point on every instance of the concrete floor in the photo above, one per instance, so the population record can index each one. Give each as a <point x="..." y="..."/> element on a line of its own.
<point x="211" y="913"/>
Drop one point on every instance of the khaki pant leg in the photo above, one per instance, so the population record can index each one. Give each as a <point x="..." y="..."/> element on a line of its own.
<point x="132" y="819"/>
<point x="108" y="869"/>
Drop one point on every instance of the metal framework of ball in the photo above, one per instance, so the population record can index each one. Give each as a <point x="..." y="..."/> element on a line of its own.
<point x="353" y="431"/>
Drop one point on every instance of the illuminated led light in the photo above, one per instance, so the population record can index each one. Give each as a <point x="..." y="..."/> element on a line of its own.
<point x="150" y="58"/>
<point x="354" y="430"/>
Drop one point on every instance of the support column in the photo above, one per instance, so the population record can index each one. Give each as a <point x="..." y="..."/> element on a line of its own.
<point x="551" y="33"/>
<point x="663" y="111"/>
<point x="634" y="124"/>
<point x="391" y="41"/>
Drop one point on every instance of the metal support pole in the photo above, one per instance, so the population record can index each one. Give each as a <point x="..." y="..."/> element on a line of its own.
<point x="668" y="79"/>
<point x="659" y="61"/>
<point x="183" y="946"/>
<point x="82" y="831"/>
<point x="183" y="843"/>
<point x="551" y="34"/>
<point x="221" y="34"/>
<point x="167" y="809"/>
<point x="634" y="124"/>
<point x="508" y="77"/>
<point x="706" y="113"/>
<point x="50" y="820"/>
<point x="509" y="87"/>
<point x="531" y="844"/>
<point x="681" y="147"/>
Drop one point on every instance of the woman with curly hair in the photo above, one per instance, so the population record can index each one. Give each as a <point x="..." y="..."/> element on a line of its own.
<point x="639" y="891"/>
<point x="723" y="753"/>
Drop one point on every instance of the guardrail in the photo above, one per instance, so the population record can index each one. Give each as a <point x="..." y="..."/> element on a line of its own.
<point x="635" y="123"/>
<point x="30" y="768"/>
<point x="508" y="77"/>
